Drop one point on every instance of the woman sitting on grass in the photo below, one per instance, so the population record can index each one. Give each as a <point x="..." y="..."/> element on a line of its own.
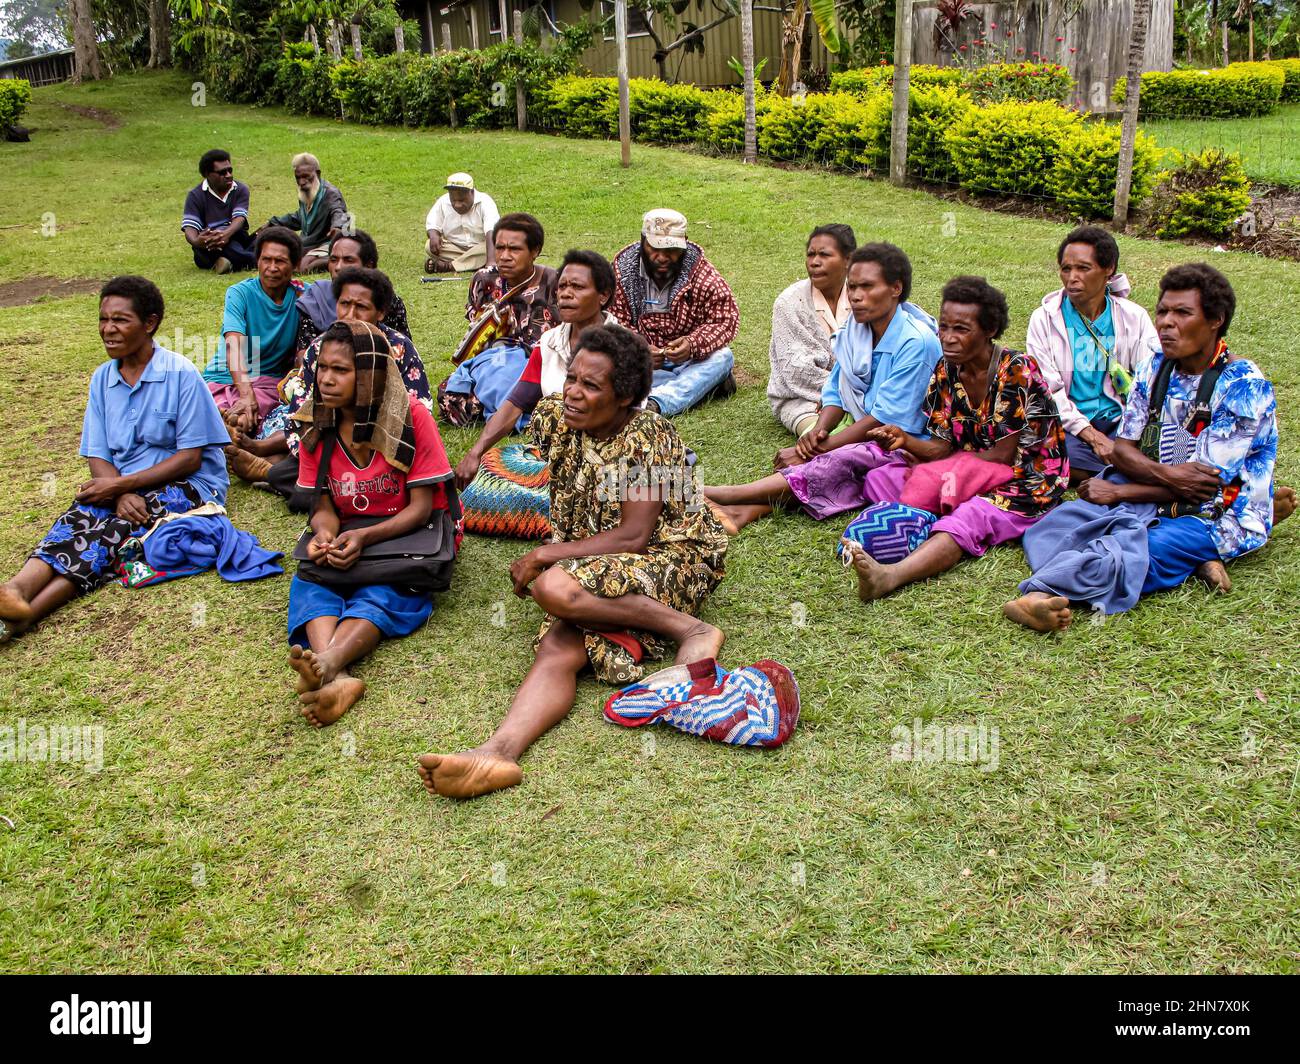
<point x="385" y="459"/>
<point x="152" y="436"/>
<point x="630" y="562"/>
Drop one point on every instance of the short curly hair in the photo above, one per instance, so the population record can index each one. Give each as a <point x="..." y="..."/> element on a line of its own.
<point x="145" y="296"/>
<point x="1104" y="248"/>
<point x="367" y="250"/>
<point x="210" y="158"/>
<point x="286" y="238"/>
<point x="602" y="273"/>
<point x="629" y="354"/>
<point x="845" y="239"/>
<point x="381" y="288"/>
<point x="1218" y="300"/>
<point x="894" y="264"/>
<point x="519" y="222"/>
<point x="976" y="291"/>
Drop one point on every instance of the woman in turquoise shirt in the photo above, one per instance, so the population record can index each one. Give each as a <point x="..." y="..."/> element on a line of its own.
<point x="153" y="438"/>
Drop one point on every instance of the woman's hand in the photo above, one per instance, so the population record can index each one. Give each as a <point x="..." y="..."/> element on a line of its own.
<point x="242" y="415"/>
<point x="889" y="437"/>
<point x="318" y="548"/>
<point x="787" y="457"/>
<point x="346" y="549"/>
<point x="99" y="491"/>
<point x="810" y="445"/>
<point x="467" y="470"/>
<point x="1100" y="491"/>
<point x="523" y="571"/>
<point x="130" y="507"/>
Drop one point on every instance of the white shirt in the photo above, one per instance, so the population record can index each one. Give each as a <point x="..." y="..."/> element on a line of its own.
<point x="463" y="230"/>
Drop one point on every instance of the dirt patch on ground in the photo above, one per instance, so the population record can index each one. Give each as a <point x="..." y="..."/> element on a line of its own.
<point x="30" y="289"/>
<point x="108" y="119"/>
<point x="1272" y="227"/>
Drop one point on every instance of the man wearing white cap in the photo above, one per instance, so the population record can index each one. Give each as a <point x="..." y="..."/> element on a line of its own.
<point x="458" y="227"/>
<point x="671" y="294"/>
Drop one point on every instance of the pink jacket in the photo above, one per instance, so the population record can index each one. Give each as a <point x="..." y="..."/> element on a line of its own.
<point x="1048" y="342"/>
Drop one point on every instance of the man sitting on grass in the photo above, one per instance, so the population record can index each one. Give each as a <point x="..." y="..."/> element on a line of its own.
<point x="320" y="216"/>
<point x="215" y="221"/>
<point x="258" y="328"/>
<point x="671" y="294"/>
<point x="458" y="227"/>
<point x="1194" y="456"/>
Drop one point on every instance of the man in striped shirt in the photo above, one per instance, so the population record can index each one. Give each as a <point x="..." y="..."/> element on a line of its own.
<point x="215" y="221"/>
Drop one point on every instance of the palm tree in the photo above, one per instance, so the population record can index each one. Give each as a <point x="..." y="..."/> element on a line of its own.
<point x="1137" y="47"/>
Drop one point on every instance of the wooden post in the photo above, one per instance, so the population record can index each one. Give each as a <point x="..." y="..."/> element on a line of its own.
<point x="354" y="28"/>
<point x="473" y="27"/>
<point x="336" y="43"/>
<point x="446" y="37"/>
<point x="1137" y="47"/>
<point x="624" y="100"/>
<point x="521" y="99"/>
<point x="399" y="38"/>
<point x="310" y="35"/>
<point x="747" y="61"/>
<point x="902" y="88"/>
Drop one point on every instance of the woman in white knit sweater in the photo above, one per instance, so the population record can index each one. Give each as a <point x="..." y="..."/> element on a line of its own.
<point x="804" y="318"/>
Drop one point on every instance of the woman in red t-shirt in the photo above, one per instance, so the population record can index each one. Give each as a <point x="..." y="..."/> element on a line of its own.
<point x="387" y="461"/>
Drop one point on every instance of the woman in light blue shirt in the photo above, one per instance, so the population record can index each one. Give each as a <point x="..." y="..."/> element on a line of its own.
<point x="153" y="438"/>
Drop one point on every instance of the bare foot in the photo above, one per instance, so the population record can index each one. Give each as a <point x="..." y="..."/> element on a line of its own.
<point x="303" y="662"/>
<point x="724" y="516"/>
<point x="331" y="701"/>
<point x="1039" y="611"/>
<point x="738" y="516"/>
<point x="1283" y="504"/>
<point x="13" y="606"/>
<point x="703" y="642"/>
<point x="1215" y="573"/>
<point x="248" y="466"/>
<point x="467" y="775"/>
<point x="874" y="579"/>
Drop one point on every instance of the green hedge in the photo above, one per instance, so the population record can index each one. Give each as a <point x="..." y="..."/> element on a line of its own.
<point x="1083" y="176"/>
<point x="997" y="82"/>
<point x="1009" y="148"/>
<point x="1202" y="194"/>
<point x="15" y="95"/>
<point x="1291" y="71"/>
<point x="871" y="79"/>
<point x="1239" y="90"/>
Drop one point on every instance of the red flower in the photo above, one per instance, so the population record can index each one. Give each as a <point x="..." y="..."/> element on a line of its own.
<point x="1059" y="39"/>
<point x="1072" y="51"/>
<point x="962" y="48"/>
<point x="993" y="25"/>
<point x="1020" y="51"/>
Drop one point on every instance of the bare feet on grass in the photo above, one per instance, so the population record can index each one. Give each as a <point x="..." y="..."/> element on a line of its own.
<point x="468" y="774"/>
<point x="1215" y="574"/>
<point x="304" y="663"/>
<point x="1283" y="504"/>
<point x="1040" y="611"/>
<point x="874" y="580"/>
<point x="13" y="605"/>
<point x="326" y="705"/>
<point x="702" y="642"/>
<point x="247" y="466"/>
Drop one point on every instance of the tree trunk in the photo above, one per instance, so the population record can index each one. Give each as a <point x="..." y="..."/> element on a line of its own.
<point x="521" y="97"/>
<point x="1251" y="46"/>
<point x="1137" y="46"/>
<point x="791" y="47"/>
<point x="160" y="34"/>
<point x="311" y="37"/>
<point x="1225" y="42"/>
<point x="85" y="48"/>
<point x="399" y="38"/>
<point x="747" y="61"/>
<point x="902" y="91"/>
<point x="354" y="28"/>
<point x="624" y="97"/>
<point x="473" y="27"/>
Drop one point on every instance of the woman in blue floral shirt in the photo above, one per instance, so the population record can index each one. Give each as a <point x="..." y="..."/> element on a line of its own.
<point x="153" y="438"/>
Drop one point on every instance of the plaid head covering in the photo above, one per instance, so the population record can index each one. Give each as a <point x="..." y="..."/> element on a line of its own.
<point x="382" y="410"/>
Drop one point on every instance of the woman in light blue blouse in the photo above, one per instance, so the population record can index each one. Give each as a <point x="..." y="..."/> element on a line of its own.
<point x="153" y="438"/>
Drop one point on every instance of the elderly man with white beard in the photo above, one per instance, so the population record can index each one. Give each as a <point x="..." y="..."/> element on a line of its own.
<point x="321" y="214"/>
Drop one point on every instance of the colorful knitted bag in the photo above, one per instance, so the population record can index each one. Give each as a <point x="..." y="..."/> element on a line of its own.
<point x="888" y="531"/>
<point x="511" y="495"/>
<point x="754" y="706"/>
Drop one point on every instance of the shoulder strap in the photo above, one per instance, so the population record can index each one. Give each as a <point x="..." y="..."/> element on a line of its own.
<point x="328" y="442"/>
<point x="1149" y="444"/>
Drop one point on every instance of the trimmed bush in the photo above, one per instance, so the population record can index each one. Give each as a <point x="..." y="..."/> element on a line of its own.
<point x="997" y="82"/>
<point x="932" y="113"/>
<point x="1009" y="148"/>
<point x="1203" y="193"/>
<point x="1291" y="71"/>
<point x="581" y="107"/>
<point x="15" y="95"/>
<point x="302" y="80"/>
<point x="1087" y="167"/>
<point x="868" y="80"/>
<point x="664" y="114"/>
<point x="837" y="128"/>
<point x="1238" y="90"/>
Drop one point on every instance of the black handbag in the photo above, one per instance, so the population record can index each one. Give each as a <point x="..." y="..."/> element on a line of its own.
<point x="420" y="561"/>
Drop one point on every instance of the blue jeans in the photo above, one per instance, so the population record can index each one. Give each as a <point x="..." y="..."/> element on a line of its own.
<point x="678" y="388"/>
<point x="1084" y="458"/>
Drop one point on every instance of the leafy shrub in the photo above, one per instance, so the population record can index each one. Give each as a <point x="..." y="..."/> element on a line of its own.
<point x="1009" y="148"/>
<point x="1087" y="167"/>
<point x="1291" y="71"/>
<point x="837" y="128"/>
<point x="580" y="107"/>
<point x="302" y="80"/>
<point x="932" y="113"/>
<point x="1019" y="81"/>
<point x="15" y="95"/>
<point x="664" y="114"/>
<point x="1202" y="193"/>
<point x="872" y="79"/>
<point x="1236" y="91"/>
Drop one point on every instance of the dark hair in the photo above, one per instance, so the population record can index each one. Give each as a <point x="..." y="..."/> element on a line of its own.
<point x="630" y="355"/>
<point x="364" y="241"/>
<point x="602" y="273"/>
<point x="893" y="262"/>
<point x="978" y="292"/>
<point x="340" y="332"/>
<point x="381" y="288"/>
<point x="144" y="295"/>
<point x="215" y="155"/>
<point x="1218" y="300"/>
<point x="286" y="238"/>
<point x="519" y="222"/>
<point x="1104" y="248"/>
<point x="841" y="234"/>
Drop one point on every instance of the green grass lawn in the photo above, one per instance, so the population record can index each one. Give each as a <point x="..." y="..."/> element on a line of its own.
<point x="1142" y="816"/>
<point x="1269" y="146"/>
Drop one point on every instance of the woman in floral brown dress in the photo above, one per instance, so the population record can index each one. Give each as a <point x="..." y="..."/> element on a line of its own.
<point x="633" y="554"/>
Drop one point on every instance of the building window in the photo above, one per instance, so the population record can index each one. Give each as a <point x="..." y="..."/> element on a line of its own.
<point x="636" y="21"/>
